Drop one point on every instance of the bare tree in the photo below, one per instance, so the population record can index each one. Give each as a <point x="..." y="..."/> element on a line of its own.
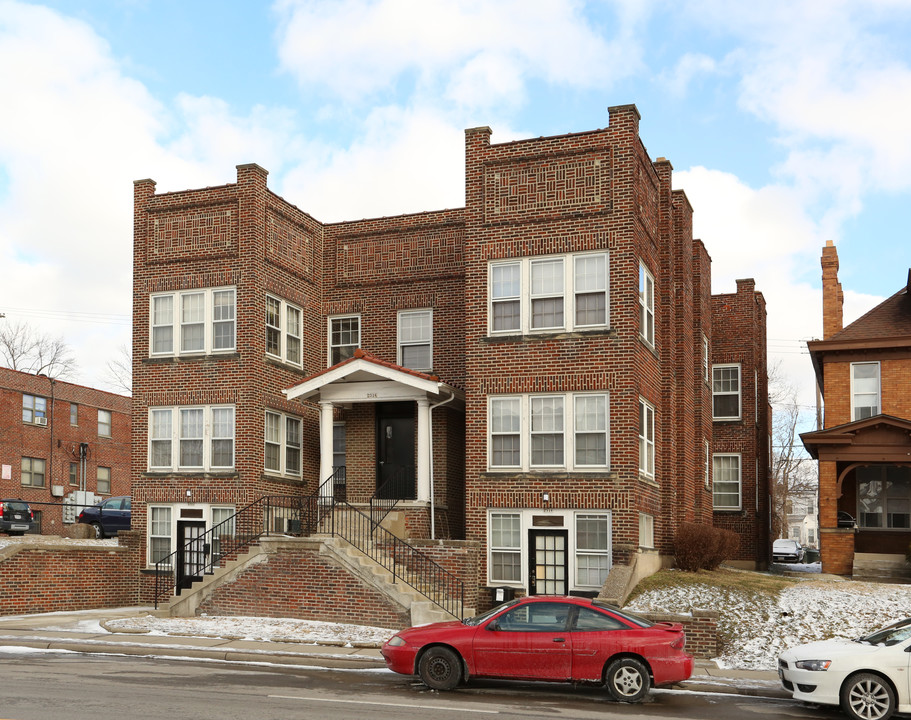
<point x="794" y="472"/>
<point x="119" y="372"/>
<point x="23" y="348"/>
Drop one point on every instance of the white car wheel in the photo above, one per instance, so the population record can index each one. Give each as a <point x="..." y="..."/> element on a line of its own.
<point x="867" y="697"/>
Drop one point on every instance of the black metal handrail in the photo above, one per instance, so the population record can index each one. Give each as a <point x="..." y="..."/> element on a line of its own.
<point x="406" y="563"/>
<point x="389" y="493"/>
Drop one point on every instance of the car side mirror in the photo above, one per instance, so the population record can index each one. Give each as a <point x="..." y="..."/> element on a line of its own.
<point x="493" y="625"/>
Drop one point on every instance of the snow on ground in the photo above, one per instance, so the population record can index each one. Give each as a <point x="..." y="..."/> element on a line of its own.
<point x="757" y="627"/>
<point x="310" y="632"/>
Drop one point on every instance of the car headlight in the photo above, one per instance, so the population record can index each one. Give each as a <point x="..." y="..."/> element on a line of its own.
<point x="395" y="641"/>
<point x="813" y="664"/>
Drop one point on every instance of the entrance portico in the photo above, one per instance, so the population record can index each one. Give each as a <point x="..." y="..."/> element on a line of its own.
<point x="363" y="378"/>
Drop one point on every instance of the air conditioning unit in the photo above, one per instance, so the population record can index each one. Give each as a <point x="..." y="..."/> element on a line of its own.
<point x="40" y="421"/>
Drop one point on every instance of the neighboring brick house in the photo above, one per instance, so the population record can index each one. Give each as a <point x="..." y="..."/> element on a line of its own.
<point x="57" y="439"/>
<point x="864" y="448"/>
<point x="532" y="372"/>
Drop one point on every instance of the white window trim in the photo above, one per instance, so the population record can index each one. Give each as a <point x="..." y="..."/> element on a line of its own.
<point x="646" y="531"/>
<point x="568" y="294"/>
<point x="110" y="423"/>
<point x="283" y="445"/>
<point x="400" y="344"/>
<point x="646" y="305"/>
<point x="739" y="393"/>
<point x="329" y="345"/>
<point x="706" y="360"/>
<point x="649" y="443"/>
<point x="569" y="433"/>
<point x="175" y="509"/>
<point x="207" y="439"/>
<point x="284" y="333"/>
<point x="569" y="518"/>
<point x="32" y="409"/>
<point x="708" y="465"/>
<point x="879" y="388"/>
<point x="739" y="505"/>
<point x="175" y="324"/>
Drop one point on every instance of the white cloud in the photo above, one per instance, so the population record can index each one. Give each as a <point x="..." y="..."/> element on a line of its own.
<point x="688" y="68"/>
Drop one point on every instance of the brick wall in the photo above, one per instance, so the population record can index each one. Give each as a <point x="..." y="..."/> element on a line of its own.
<point x="56" y="577"/>
<point x="700" y="626"/>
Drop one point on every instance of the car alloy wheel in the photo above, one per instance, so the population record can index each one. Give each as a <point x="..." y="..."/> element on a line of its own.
<point x="627" y="680"/>
<point x="867" y="697"/>
<point x="440" y="668"/>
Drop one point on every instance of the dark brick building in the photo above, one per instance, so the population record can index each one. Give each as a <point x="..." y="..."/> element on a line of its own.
<point x="864" y="452"/>
<point x="532" y="372"/>
<point x="58" y="439"/>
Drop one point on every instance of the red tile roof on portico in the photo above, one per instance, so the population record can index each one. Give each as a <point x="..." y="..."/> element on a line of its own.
<point x="366" y="367"/>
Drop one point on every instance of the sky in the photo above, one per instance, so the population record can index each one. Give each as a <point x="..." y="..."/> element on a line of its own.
<point x="786" y="124"/>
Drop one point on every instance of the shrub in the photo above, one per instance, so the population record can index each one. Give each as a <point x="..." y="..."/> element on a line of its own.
<point x="703" y="547"/>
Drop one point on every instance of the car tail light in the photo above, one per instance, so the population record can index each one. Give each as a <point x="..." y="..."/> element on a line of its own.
<point x="678" y="643"/>
<point x="1" y="508"/>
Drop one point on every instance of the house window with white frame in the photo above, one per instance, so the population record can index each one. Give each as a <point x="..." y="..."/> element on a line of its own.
<point x="103" y="480"/>
<point x="726" y="392"/>
<point x="74" y="414"/>
<point x="105" y="420"/>
<point x="706" y="364"/>
<point x="191" y="438"/>
<point x="34" y="409"/>
<point x="193" y="322"/>
<point x="415" y="339"/>
<point x="708" y="456"/>
<point x="159" y="533"/>
<point x="646" y="305"/>
<point x="282" y="444"/>
<point x="548" y="294"/>
<point x="646" y="531"/>
<point x="283" y="330"/>
<point x="567" y="431"/>
<point x="33" y="472"/>
<point x="865" y="390"/>
<point x="593" y="561"/>
<point x="727" y="492"/>
<point x="505" y="547"/>
<point x="646" y="439"/>
<point x="344" y="337"/>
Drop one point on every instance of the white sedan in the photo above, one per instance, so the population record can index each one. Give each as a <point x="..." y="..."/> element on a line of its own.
<point x="868" y="677"/>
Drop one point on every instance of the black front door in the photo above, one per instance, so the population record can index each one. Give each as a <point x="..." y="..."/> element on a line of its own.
<point x="547" y="562"/>
<point x="395" y="475"/>
<point x="191" y="556"/>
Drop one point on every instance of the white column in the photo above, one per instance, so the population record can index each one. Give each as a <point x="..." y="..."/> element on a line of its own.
<point x="325" y="445"/>
<point x="424" y="458"/>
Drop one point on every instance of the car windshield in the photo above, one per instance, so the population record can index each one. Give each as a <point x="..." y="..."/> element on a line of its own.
<point x="891" y="635"/>
<point x="15" y="506"/>
<point x="478" y="619"/>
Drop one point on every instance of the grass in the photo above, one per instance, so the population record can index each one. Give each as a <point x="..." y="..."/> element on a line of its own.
<point x="726" y="579"/>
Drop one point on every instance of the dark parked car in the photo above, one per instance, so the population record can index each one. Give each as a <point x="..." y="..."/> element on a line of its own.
<point x="787" y="551"/>
<point x="109" y="516"/>
<point x="562" y="639"/>
<point x="16" y="517"/>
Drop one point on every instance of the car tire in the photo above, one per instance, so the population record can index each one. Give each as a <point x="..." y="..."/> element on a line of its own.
<point x="99" y="531"/>
<point x="627" y="680"/>
<point x="440" y="668"/>
<point x="866" y="696"/>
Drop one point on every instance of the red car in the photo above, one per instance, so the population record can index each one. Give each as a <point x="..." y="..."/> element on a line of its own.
<point x="567" y="639"/>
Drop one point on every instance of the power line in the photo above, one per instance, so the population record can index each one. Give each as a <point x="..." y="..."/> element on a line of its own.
<point x="70" y="315"/>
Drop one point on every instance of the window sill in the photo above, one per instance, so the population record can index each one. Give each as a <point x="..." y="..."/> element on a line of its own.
<point x="647" y="480"/>
<point x="557" y="473"/>
<point x="191" y="357"/>
<point x="606" y="332"/>
<point x="190" y="473"/>
<point x="731" y="420"/>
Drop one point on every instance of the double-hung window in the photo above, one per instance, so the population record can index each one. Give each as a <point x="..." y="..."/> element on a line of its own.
<point x="105" y="420"/>
<point x="415" y="335"/>
<point x="344" y="337"/>
<point x="103" y="480"/>
<point x="34" y="409"/>
<point x="726" y="392"/>
<point x="505" y="547"/>
<point x="646" y="305"/>
<point x="282" y="444"/>
<point x="191" y="438"/>
<point x="283" y="330"/>
<point x="159" y="533"/>
<point x="548" y="294"/>
<point x="646" y="439"/>
<point x="727" y="486"/>
<point x="193" y="322"/>
<point x="549" y="431"/>
<point x="864" y="390"/>
<point x="593" y="559"/>
<point x="33" y="472"/>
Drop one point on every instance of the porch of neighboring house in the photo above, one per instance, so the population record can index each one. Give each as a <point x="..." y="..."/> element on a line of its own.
<point x="864" y="497"/>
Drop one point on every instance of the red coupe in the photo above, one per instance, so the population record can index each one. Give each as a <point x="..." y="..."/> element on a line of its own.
<point x="566" y="639"/>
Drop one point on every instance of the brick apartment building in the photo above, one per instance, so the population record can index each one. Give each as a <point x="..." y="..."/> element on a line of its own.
<point x="532" y="373"/>
<point x="864" y="447"/>
<point x="57" y="439"/>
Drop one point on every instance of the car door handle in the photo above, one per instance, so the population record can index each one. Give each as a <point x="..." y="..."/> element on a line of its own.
<point x="559" y="639"/>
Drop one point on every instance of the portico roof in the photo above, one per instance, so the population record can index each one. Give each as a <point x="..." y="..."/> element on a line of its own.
<point x="366" y="378"/>
<point x="881" y="438"/>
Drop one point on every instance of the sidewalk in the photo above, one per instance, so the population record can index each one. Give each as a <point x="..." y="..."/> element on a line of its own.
<point x="85" y="632"/>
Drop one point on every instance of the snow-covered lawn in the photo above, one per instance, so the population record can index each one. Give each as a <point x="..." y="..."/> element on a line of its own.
<point x="757" y="627"/>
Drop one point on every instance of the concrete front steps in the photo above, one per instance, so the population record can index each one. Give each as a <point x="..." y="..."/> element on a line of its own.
<point x="400" y="594"/>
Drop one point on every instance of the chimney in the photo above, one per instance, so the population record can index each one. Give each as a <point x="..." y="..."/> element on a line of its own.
<point x="833" y="298"/>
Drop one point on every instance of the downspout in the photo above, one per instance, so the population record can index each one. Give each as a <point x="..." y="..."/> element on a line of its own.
<point x="433" y="533"/>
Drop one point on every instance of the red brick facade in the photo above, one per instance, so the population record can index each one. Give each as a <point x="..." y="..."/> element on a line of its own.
<point x="58" y="425"/>
<point x="545" y="361"/>
<point x="864" y="372"/>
